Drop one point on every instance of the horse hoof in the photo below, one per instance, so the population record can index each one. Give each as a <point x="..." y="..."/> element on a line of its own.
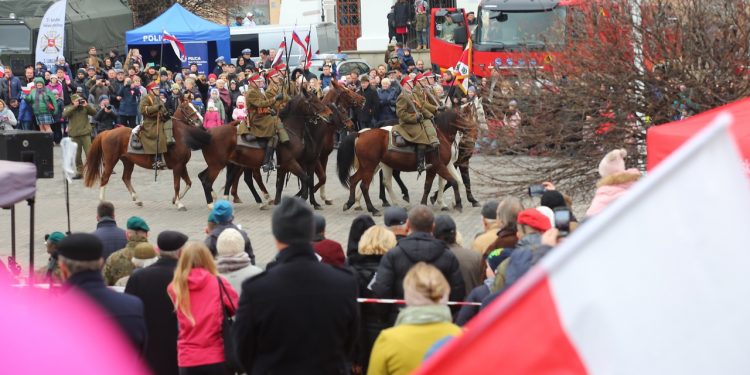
<point x="358" y="208"/>
<point x="317" y="207"/>
<point x="475" y="204"/>
<point x="213" y="195"/>
<point x="181" y="208"/>
<point x="406" y="198"/>
<point x="347" y="206"/>
<point x="237" y="200"/>
<point x="444" y="209"/>
<point x="386" y="204"/>
<point x="264" y="207"/>
<point x="139" y="204"/>
<point x="328" y="202"/>
<point x="433" y="199"/>
<point x="459" y="208"/>
<point x="210" y="206"/>
<point x="375" y="213"/>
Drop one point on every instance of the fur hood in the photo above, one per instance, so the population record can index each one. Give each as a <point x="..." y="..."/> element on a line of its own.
<point x="629" y="176"/>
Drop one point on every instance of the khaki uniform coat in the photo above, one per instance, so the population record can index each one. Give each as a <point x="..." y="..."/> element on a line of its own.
<point x="407" y="106"/>
<point x="262" y="122"/>
<point x="120" y="263"/>
<point x="153" y="110"/>
<point x="78" y="118"/>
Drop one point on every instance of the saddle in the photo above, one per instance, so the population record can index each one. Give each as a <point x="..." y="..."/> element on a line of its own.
<point x="250" y="141"/>
<point x="135" y="146"/>
<point x="398" y="143"/>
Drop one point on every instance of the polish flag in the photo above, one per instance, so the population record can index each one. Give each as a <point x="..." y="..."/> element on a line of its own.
<point x="655" y="284"/>
<point x="301" y="44"/>
<point x="280" y="52"/>
<point x="177" y="46"/>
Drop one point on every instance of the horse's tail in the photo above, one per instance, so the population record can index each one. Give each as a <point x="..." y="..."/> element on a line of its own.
<point x="92" y="170"/>
<point x="195" y="138"/>
<point x="345" y="157"/>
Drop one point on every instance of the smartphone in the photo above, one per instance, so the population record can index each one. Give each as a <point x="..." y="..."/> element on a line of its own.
<point x="536" y="190"/>
<point x="562" y="221"/>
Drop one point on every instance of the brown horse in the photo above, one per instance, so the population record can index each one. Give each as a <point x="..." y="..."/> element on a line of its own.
<point x="370" y="148"/>
<point x="220" y="147"/>
<point x="112" y="145"/>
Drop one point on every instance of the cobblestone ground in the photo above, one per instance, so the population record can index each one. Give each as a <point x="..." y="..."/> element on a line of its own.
<point x="161" y="215"/>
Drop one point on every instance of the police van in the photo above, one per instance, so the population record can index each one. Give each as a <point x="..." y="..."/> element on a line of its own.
<point x="324" y="38"/>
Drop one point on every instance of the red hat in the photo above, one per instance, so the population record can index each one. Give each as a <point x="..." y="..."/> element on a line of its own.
<point x="535" y="219"/>
<point x="280" y="66"/>
<point x="256" y="77"/>
<point x="421" y="76"/>
<point x="273" y="72"/>
<point x="406" y="80"/>
<point x="212" y="76"/>
<point x="152" y="85"/>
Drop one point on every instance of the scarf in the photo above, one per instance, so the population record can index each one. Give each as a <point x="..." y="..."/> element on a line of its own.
<point x="233" y="263"/>
<point x="424" y="315"/>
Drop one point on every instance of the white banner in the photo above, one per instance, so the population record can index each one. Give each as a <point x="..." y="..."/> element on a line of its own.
<point x="51" y="39"/>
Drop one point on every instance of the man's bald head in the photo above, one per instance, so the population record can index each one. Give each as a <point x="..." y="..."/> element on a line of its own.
<point x="421" y="219"/>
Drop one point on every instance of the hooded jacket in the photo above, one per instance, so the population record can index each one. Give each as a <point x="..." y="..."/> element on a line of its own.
<point x="202" y="343"/>
<point x="610" y="188"/>
<point x="7" y="119"/>
<point x="415" y="248"/>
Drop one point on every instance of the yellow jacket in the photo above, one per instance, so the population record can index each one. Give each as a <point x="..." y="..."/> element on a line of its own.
<point x="400" y="350"/>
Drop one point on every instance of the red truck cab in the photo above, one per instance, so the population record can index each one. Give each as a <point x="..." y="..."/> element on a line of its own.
<point x="507" y="34"/>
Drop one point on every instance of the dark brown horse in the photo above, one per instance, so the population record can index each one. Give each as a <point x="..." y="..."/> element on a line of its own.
<point x="220" y="147"/>
<point x="370" y="148"/>
<point x="112" y="145"/>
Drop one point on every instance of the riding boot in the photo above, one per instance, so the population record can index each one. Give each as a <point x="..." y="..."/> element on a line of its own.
<point x="159" y="162"/>
<point x="168" y="132"/>
<point x="420" y="158"/>
<point x="283" y="135"/>
<point x="268" y="163"/>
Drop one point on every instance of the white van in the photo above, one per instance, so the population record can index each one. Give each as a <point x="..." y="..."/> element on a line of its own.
<point x="324" y="38"/>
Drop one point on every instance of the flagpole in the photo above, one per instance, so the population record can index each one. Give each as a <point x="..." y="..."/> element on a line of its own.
<point x="161" y="61"/>
<point x="308" y="52"/>
<point x="287" y="50"/>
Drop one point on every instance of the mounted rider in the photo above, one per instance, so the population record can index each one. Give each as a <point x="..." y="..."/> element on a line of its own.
<point x="415" y="121"/>
<point x="276" y="86"/>
<point x="156" y="120"/>
<point x="262" y="120"/>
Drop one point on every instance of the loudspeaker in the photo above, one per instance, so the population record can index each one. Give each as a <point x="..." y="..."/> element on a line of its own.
<point x="28" y="146"/>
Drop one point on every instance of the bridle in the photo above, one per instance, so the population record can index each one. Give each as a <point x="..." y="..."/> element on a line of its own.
<point x="191" y="119"/>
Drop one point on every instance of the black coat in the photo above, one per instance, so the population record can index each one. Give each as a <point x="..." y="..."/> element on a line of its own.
<point x="300" y="316"/>
<point x="112" y="237"/>
<point x="415" y="248"/>
<point x="375" y="317"/>
<point x="150" y="285"/>
<point x="124" y="309"/>
<point x="367" y="112"/>
<point x="403" y="12"/>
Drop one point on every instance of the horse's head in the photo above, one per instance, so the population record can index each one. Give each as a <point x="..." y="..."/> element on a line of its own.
<point x="351" y="99"/>
<point x="316" y="105"/>
<point x="339" y="119"/>
<point x="305" y="106"/>
<point x="188" y="114"/>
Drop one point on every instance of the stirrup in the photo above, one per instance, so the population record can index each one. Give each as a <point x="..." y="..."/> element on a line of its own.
<point x="159" y="164"/>
<point x="269" y="166"/>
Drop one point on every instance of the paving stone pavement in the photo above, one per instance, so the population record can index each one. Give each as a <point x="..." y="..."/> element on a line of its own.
<point x="161" y="215"/>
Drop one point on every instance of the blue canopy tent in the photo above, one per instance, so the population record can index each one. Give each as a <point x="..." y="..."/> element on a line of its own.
<point x="204" y="40"/>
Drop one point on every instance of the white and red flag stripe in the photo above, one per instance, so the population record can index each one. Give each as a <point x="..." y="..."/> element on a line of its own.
<point x="280" y="52"/>
<point x="645" y="287"/>
<point x="177" y="46"/>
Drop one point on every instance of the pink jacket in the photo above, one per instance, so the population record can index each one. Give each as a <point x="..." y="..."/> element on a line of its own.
<point x="203" y="343"/>
<point x="610" y="188"/>
<point x="212" y="119"/>
<point x="239" y="114"/>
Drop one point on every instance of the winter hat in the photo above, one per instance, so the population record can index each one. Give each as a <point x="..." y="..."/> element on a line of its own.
<point x="178" y="76"/>
<point x="211" y="105"/>
<point x="240" y="99"/>
<point x="395" y="216"/>
<point x="444" y="224"/>
<point x="494" y="259"/>
<point x="613" y="162"/>
<point x="144" y="250"/>
<point x="230" y="243"/>
<point x="171" y="240"/>
<point x="137" y="223"/>
<point x="55" y="237"/>
<point x="103" y="97"/>
<point x="489" y="210"/>
<point x="546" y="211"/>
<point x="118" y="65"/>
<point x="292" y="221"/>
<point x="212" y="76"/>
<point x="215" y="91"/>
<point x="80" y="246"/>
<point x="223" y="212"/>
<point x="553" y="199"/>
<point x="176" y="87"/>
<point x="81" y="71"/>
<point x="535" y="219"/>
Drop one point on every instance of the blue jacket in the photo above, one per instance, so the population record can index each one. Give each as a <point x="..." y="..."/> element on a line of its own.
<point x="387" y="104"/>
<point x="130" y="100"/>
<point x="24" y="112"/>
<point x="326" y="80"/>
<point x="112" y="237"/>
<point x="123" y="309"/>
<point x="477" y="294"/>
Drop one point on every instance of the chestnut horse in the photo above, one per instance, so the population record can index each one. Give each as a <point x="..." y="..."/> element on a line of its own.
<point x="370" y="148"/>
<point x="112" y="145"/>
<point x="300" y="116"/>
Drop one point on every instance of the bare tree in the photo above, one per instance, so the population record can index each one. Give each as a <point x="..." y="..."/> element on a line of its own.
<point x="619" y="74"/>
<point x="215" y="10"/>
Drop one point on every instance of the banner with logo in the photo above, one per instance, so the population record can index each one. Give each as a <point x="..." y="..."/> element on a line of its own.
<point x="51" y="39"/>
<point x="197" y="53"/>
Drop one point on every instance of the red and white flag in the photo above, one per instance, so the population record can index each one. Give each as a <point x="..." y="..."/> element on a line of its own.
<point x="177" y="46"/>
<point x="645" y="287"/>
<point x="305" y="51"/>
<point x="280" y="52"/>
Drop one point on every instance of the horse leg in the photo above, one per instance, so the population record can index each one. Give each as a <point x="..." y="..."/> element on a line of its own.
<point x="280" y="177"/>
<point x="467" y="184"/>
<point x="365" y="186"/>
<point x="248" y="178"/>
<point x="176" y="176"/>
<point x="188" y="182"/>
<point x="266" y="197"/>
<point x="320" y="171"/>
<point x="388" y="174"/>
<point x="127" y="172"/>
<point x="383" y="198"/>
<point x="207" y="178"/>
<point x="311" y="187"/>
<point x="429" y="179"/>
<point x="353" y="181"/>
<point x="441" y="189"/>
<point x="443" y="172"/>
<point x="401" y="185"/>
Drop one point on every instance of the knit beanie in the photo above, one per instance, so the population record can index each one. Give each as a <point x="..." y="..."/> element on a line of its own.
<point x="230" y="243"/>
<point x="144" y="250"/>
<point x="613" y="162"/>
<point x="222" y="212"/>
<point x="292" y="221"/>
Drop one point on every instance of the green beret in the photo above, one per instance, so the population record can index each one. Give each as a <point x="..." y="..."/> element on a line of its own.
<point x="136" y="223"/>
<point x="55" y="237"/>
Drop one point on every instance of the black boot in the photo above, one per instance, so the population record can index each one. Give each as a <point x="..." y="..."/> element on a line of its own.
<point x="158" y="162"/>
<point x="268" y="164"/>
<point x="420" y="158"/>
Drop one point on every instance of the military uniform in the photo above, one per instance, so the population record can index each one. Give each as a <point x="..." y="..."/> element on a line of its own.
<point x="419" y="132"/>
<point x="154" y="116"/>
<point x="120" y="263"/>
<point x="264" y="124"/>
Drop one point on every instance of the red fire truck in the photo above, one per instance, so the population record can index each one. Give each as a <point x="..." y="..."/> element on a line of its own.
<point x="508" y="34"/>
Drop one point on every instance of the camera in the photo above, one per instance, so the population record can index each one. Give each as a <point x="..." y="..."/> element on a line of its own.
<point x="81" y="101"/>
<point x="536" y="190"/>
<point x="109" y="107"/>
<point x="562" y="220"/>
